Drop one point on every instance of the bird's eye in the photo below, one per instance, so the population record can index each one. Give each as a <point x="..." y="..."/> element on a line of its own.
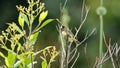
<point x="62" y="27"/>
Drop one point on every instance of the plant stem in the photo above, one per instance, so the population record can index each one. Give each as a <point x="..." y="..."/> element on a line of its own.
<point x="101" y="2"/>
<point x="101" y="34"/>
<point x="101" y="38"/>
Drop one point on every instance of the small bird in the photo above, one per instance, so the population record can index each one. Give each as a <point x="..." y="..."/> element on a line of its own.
<point x="68" y="35"/>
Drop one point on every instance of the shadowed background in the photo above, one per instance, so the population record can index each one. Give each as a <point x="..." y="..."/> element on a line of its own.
<point x="49" y="34"/>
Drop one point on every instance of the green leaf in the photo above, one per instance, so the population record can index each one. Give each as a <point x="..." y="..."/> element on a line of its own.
<point x="46" y="22"/>
<point x="23" y="55"/>
<point x="24" y="58"/>
<point x="10" y="59"/>
<point x="43" y="15"/>
<point x="33" y="38"/>
<point x="24" y="17"/>
<point x="44" y="64"/>
<point x="27" y="60"/>
<point x="21" y="20"/>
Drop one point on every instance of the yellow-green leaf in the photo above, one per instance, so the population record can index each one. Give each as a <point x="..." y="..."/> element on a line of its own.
<point x="44" y="64"/>
<point x="22" y="57"/>
<point x="10" y="59"/>
<point x="21" y="20"/>
<point x="7" y="63"/>
<point x="46" y="22"/>
<point x="24" y="16"/>
<point x="27" y="60"/>
<point x="33" y="38"/>
<point x="43" y="15"/>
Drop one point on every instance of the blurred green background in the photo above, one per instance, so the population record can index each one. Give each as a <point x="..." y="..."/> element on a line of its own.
<point x="49" y="34"/>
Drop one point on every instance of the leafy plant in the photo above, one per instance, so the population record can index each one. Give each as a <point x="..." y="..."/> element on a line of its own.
<point x="10" y="41"/>
<point x="18" y="42"/>
<point x="48" y="52"/>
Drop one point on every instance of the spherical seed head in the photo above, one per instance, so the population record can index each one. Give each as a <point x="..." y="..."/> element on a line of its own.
<point x="101" y="10"/>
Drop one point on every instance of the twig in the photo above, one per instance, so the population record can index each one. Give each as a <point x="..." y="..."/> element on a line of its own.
<point x="86" y="56"/>
<point x="67" y="53"/>
<point x="83" y="40"/>
<point x="63" y="52"/>
<point x="110" y="50"/>
<point x="103" y="59"/>
<point x="73" y="56"/>
<point x="113" y="64"/>
<point x="78" y="30"/>
<point x="64" y="4"/>
<point x="61" y="38"/>
<point x="31" y="58"/>
<point x="75" y="60"/>
<point x="100" y="61"/>
<point x="82" y="12"/>
<point x="96" y="62"/>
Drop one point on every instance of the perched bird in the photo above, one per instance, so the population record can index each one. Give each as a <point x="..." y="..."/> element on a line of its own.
<point x="68" y="35"/>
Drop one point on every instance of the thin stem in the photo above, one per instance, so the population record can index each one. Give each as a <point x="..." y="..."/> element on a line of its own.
<point x="85" y="51"/>
<point x="32" y="61"/>
<point x="101" y="34"/>
<point x="63" y="52"/>
<point x="37" y="27"/>
<point x="101" y="2"/>
<point x="64" y="4"/>
<point x="67" y="54"/>
<point x="82" y="12"/>
<point x="110" y="50"/>
<point x="101" y="38"/>
<point x="86" y="37"/>
<point x="75" y="60"/>
<point x="83" y="21"/>
<point x="73" y="56"/>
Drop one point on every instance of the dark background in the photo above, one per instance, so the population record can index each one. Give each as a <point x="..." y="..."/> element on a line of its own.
<point x="49" y="34"/>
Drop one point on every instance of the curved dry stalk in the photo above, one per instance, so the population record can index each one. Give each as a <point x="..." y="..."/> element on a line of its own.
<point x="73" y="56"/>
<point x="63" y="51"/>
<point x="83" y="21"/>
<point x="64" y="4"/>
<point x="75" y="60"/>
<point x="110" y="50"/>
<point x="86" y="37"/>
<point x="85" y="50"/>
<point x="98" y="61"/>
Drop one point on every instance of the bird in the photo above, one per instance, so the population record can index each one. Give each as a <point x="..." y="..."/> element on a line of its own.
<point x="67" y="34"/>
